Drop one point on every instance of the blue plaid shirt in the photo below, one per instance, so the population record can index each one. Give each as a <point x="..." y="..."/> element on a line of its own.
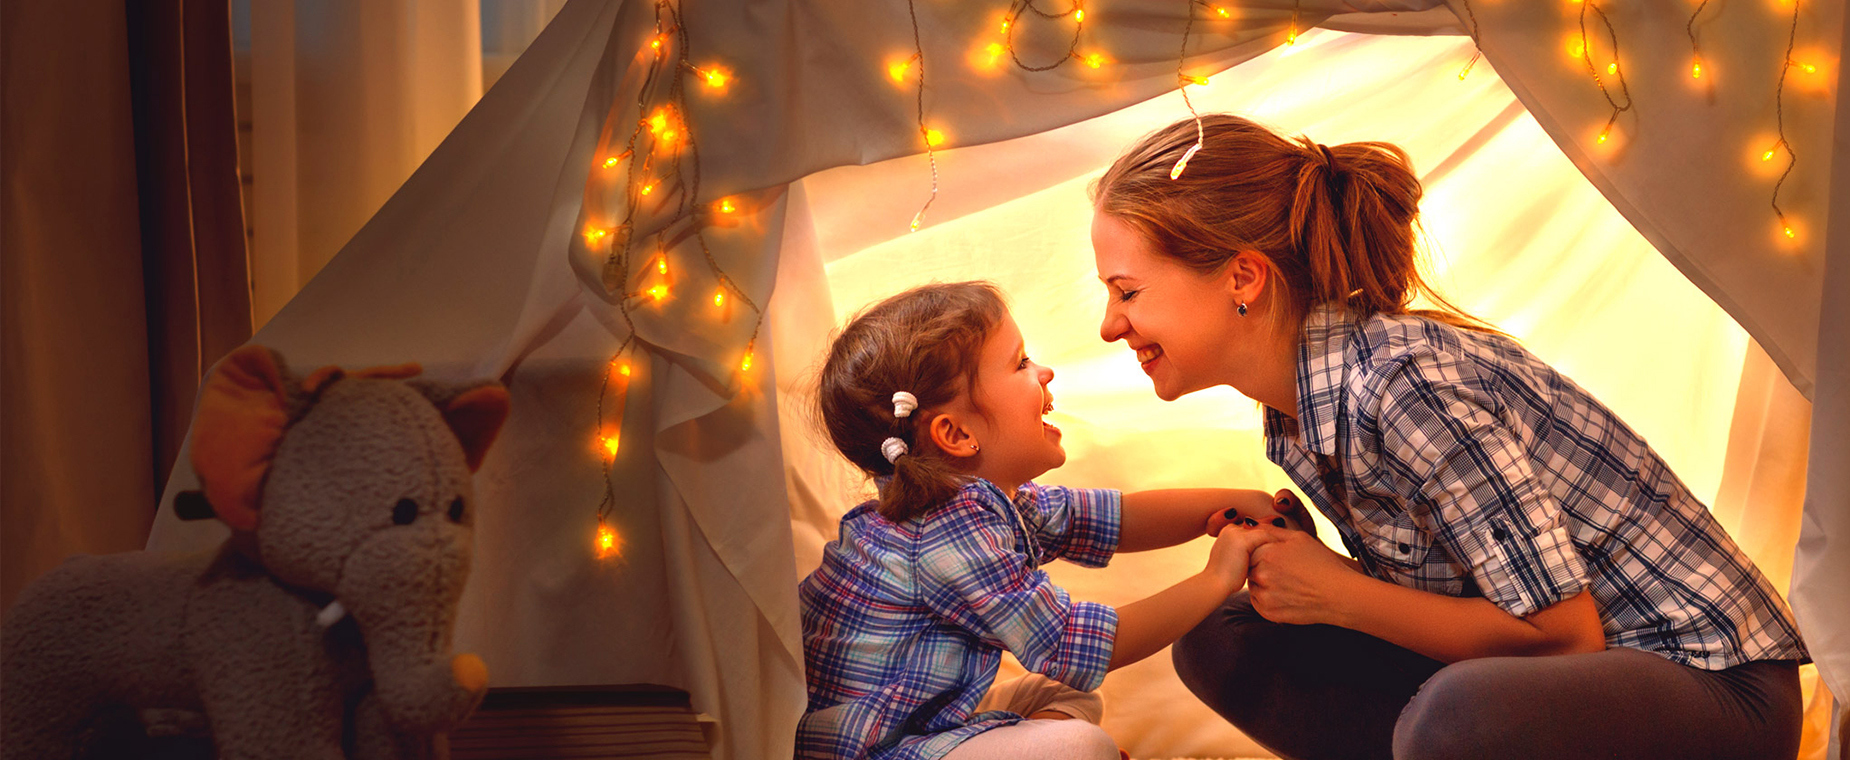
<point x="904" y="625"/>
<point x="1456" y="462"/>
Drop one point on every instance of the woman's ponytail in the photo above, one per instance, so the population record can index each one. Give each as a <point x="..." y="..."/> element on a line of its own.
<point x="1337" y="224"/>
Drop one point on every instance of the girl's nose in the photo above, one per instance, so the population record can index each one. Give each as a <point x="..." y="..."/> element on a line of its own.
<point x="1046" y="375"/>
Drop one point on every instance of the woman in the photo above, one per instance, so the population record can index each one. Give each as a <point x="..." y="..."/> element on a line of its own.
<point x="1530" y="579"/>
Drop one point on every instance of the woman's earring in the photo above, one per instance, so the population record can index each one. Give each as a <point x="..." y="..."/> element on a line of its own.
<point x="973" y="446"/>
<point x="1242" y="308"/>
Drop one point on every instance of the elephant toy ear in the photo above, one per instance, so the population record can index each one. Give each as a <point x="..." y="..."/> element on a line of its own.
<point x="475" y="416"/>
<point x="243" y="412"/>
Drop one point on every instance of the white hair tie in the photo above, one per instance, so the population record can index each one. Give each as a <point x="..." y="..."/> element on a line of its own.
<point x="904" y="403"/>
<point x="891" y="448"/>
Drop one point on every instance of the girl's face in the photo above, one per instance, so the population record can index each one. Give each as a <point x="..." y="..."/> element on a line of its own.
<point x="1011" y="400"/>
<point x="1174" y="318"/>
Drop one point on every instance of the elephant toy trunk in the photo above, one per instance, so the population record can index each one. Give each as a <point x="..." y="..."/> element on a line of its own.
<point x="405" y="615"/>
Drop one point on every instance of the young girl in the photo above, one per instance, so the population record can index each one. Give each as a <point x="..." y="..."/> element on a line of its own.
<point x="905" y="621"/>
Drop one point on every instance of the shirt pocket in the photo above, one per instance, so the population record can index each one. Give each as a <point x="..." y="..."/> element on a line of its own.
<point x="1409" y="558"/>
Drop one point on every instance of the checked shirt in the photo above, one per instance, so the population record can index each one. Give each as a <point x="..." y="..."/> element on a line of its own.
<point x="904" y="624"/>
<point x="1456" y="462"/>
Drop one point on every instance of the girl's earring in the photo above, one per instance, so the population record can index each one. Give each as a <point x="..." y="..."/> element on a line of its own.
<point x="1242" y="308"/>
<point x="973" y="446"/>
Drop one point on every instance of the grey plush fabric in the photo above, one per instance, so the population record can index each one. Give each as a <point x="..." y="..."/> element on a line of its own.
<point x="367" y="501"/>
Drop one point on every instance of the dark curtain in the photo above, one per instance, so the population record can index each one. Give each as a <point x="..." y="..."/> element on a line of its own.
<point x="123" y="271"/>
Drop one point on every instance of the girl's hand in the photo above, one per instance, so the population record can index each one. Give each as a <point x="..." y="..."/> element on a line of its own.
<point x="1253" y="508"/>
<point x="1296" y="579"/>
<point x="1232" y="552"/>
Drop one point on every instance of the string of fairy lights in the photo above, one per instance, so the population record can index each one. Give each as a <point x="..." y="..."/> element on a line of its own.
<point x="657" y="144"/>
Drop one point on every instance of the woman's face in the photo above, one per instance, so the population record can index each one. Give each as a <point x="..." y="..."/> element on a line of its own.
<point x="1176" y="319"/>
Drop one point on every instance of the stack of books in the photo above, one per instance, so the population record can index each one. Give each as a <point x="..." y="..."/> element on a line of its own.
<point x="632" y="721"/>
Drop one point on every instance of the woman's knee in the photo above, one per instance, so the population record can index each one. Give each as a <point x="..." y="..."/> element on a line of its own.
<point x="1080" y="739"/>
<point x="1463" y="711"/>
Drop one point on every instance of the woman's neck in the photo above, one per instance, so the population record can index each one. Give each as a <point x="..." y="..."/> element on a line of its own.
<point x="1269" y="375"/>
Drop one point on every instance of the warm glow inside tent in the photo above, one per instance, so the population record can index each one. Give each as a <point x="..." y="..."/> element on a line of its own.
<point x="1643" y="263"/>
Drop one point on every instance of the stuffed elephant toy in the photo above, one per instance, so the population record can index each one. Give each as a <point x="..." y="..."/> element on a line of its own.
<point x="321" y="628"/>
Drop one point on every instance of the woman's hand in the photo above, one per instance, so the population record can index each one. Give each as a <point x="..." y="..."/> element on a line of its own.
<point x="1253" y="508"/>
<point x="1232" y="554"/>
<point x="1296" y="579"/>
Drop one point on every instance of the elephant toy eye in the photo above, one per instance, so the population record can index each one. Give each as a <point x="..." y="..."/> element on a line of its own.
<point x="404" y="512"/>
<point x="456" y="510"/>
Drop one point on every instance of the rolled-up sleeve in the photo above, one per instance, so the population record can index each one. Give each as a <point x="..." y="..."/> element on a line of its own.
<point x="1079" y="525"/>
<point x="970" y="576"/>
<point x="1470" y="483"/>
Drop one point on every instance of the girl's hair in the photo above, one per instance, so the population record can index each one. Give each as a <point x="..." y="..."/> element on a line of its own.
<point x="1335" y="224"/>
<point x="924" y="341"/>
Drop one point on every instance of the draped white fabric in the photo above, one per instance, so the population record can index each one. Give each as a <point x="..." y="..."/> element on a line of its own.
<point x="475" y="267"/>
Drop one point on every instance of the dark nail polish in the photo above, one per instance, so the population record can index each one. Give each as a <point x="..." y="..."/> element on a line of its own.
<point x="1250" y="522"/>
<point x="1278" y="522"/>
<point x="1231" y="514"/>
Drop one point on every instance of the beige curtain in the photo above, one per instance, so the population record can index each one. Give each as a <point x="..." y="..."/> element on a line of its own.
<point x="124" y="275"/>
<point x="348" y="97"/>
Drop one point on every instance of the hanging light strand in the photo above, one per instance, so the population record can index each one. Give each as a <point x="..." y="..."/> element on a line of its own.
<point x="1477" y="51"/>
<point x="1078" y="14"/>
<point x="1695" y="49"/>
<point x="1183" y="77"/>
<point x="1779" y="114"/>
<point x="925" y="133"/>
<point x="1611" y="68"/>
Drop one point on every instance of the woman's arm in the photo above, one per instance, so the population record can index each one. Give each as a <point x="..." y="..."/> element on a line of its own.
<point x="1158" y="519"/>
<point x="1298" y="580"/>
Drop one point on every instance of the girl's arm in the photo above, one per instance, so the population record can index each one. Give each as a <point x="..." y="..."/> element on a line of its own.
<point x="1158" y="519"/>
<point x="1145" y="627"/>
<point x="1296" y="579"/>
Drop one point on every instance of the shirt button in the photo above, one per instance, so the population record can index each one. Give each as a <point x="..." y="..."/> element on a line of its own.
<point x="1405" y="549"/>
<point x="1499" y="533"/>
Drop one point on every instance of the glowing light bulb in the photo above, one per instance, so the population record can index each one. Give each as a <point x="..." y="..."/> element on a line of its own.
<point x="1612" y="68"/>
<point x="658" y="292"/>
<point x="658" y="121"/>
<point x="1604" y="133"/>
<point x="611" y="163"/>
<point x="1291" y="35"/>
<point x="595" y="235"/>
<point x="1194" y="80"/>
<point x="624" y="369"/>
<point x="656" y="42"/>
<point x="1789" y="232"/>
<point x="898" y="70"/>
<point x="1695" y="69"/>
<point x="934" y="138"/>
<point x="1222" y="12"/>
<point x="745" y="365"/>
<point x="726" y="207"/>
<point x="719" y="297"/>
<point x="661" y="264"/>
<point x="647" y="188"/>
<point x="1768" y="155"/>
<point x="1808" y="68"/>
<point x="607" y="542"/>
<point x="609" y="443"/>
<point x="1005" y="26"/>
<point x="1578" y="49"/>
<point x="1094" y="60"/>
<point x="994" y="49"/>
<point x="1080" y="15"/>
<point x="716" y="78"/>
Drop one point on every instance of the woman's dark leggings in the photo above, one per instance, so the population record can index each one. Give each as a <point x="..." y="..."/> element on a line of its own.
<point x="1319" y="692"/>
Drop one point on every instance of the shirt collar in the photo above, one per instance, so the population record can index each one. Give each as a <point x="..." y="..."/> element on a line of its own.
<point x="1322" y="372"/>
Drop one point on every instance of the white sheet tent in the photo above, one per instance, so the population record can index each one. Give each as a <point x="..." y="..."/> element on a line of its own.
<point x="1642" y="265"/>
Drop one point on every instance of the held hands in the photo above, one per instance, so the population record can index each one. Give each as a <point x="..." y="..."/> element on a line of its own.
<point x="1233" y="548"/>
<point x="1296" y="579"/>
<point x="1254" y="508"/>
